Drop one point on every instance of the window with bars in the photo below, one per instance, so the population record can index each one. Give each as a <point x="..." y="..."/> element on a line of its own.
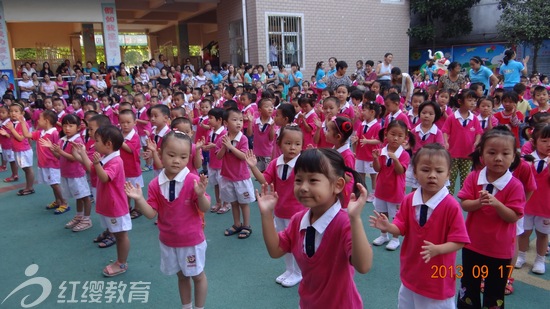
<point x="236" y="42"/>
<point x="285" y="39"/>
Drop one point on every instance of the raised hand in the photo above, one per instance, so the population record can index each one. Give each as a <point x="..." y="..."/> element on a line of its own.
<point x="354" y="139"/>
<point x="200" y="143"/>
<point x="267" y="199"/>
<point x="375" y="154"/>
<point x="356" y="204"/>
<point x="379" y="221"/>
<point x="318" y="123"/>
<point x="200" y="186"/>
<point x="3" y="132"/>
<point x="251" y="159"/>
<point x="96" y="158"/>
<point x="151" y="145"/>
<point x="133" y="192"/>
<point x="9" y="125"/>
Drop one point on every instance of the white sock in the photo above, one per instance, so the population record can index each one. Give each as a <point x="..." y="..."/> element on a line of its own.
<point x="80" y="214"/>
<point x="521" y="254"/>
<point x="199" y="307"/>
<point x="187" y="306"/>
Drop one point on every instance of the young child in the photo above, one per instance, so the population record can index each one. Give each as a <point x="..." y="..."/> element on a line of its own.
<point x="8" y="156"/>
<point x="59" y="109"/>
<point x="185" y="126"/>
<point x="203" y="129"/>
<point x="178" y="197"/>
<point x="280" y="174"/>
<point x="339" y="130"/>
<point x="284" y="115"/>
<point x="494" y="201"/>
<point x="431" y="221"/>
<point x="443" y="98"/>
<point x="413" y="114"/>
<point x="346" y="109"/>
<point x="215" y="121"/>
<point x="393" y="112"/>
<point x="327" y="243"/>
<point x="107" y="109"/>
<point x="306" y="121"/>
<point x="130" y="153"/>
<point x="462" y="132"/>
<point x="485" y="115"/>
<point x="263" y="131"/>
<point x="250" y="112"/>
<point x="511" y="116"/>
<point x="16" y="129"/>
<point x="540" y="96"/>
<point x="366" y="140"/>
<point x="331" y="108"/>
<point x="537" y="212"/>
<point x="77" y="106"/>
<point x="390" y="163"/>
<point x="111" y="201"/>
<point x="159" y="116"/>
<point x="235" y="185"/>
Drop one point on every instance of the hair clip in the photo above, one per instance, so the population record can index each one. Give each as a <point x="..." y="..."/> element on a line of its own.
<point x="178" y="132"/>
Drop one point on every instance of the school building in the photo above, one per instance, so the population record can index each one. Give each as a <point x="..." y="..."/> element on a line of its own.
<point x="303" y="31"/>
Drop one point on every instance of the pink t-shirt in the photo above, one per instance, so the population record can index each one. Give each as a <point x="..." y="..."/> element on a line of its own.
<point x="349" y="160"/>
<point x="462" y="138"/>
<point x="180" y="221"/>
<point x="309" y="118"/>
<point x="201" y="132"/>
<point x="46" y="158"/>
<point x="364" y="152"/>
<point x="327" y="275"/>
<point x="347" y="111"/>
<point x="215" y="136"/>
<point x="441" y="121"/>
<point x="489" y="234"/>
<point x="263" y="147"/>
<point x="142" y="115"/>
<point x="445" y="224"/>
<point x="390" y="187"/>
<point x="287" y="204"/>
<point x="111" y="201"/>
<point x="434" y="135"/>
<point x="322" y="137"/>
<point x="513" y="122"/>
<point x="108" y="111"/>
<point x="79" y="113"/>
<point x="538" y="204"/>
<point x="5" y="141"/>
<point x="397" y="116"/>
<point x="527" y="148"/>
<point x="525" y="174"/>
<point x="234" y="168"/>
<point x="191" y="163"/>
<point x="70" y="169"/>
<point x="132" y="163"/>
<point x="251" y="109"/>
<point x="19" y="146"/>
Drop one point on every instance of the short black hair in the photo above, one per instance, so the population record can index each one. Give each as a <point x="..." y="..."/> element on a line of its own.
<point x="50" y="116"/>
<point x="161" y="108"/>
<point x="217" y="113"/>
<point x="101" y="120"/>
<point x="110" y="133"/>
<point x="127" y="112"/>
<point x="229" y="111"/>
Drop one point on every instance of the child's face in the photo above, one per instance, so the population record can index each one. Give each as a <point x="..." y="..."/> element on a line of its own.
<point x="175" y="156"/>
<point x="427" y="116"/>
<point x="137" y="88"/>
<point x="227" y="95"/>
<point x="176" y="113"/>
<point x="375" y="87"/>
<point x="178" y="100"/>
<point x="267" y="109"/>
<point x="92" y="128"/>
<point x="485" y="108"/>
<point x="42" y="122"/>
<point x="315" y="190"/>
<point x="213" y="122"/>
<point x="542" y="97"/>
<point x="139" y="102"/>
<point x="332" y="136"/>
<point x="392" y="106"/>
<point x="234" y="122"/>
<point x="101" y="147"/>
<point x="432" y="172"/>
<point x="479" y="91"/>
<point x="395" y="137"/>
<point x="105" y="101"/>
<point x="469" y="104"/>
<point x="543" y="147"/>
<point x="291" y="144"/>
<point x="58" y="106"/>
<point x="306" y="108"/>
<point x="330" y="109"/>
<point x="342" y="94"/>
<point x="498" y="154"/>
<point x="443" y="99"/>
<point x="126" y="122"/>
<point x="245" y="101"/>
<point x="280" y="120"/>
<point x="368" y="114"/>
<point x="196" y="95"/>
<point x="185" y="128"/>
<point x="75" y="104"/>
<point x="204" y="108"/>
<point x="48" y="104"/>
<point x="154" y="101"/>
<point x="324" y="95"/>
<point x="158" y="119"/>
<point x="416" y="101"/>
<point x="4" y="114"/>
<point x="508" y="105"/>
<point x="70" y="129"/>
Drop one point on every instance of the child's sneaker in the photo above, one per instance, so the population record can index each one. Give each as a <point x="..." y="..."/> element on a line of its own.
<point x="62" y="209"/>
<point x="52" y="205"/>
<point x="74" y="221"/>
<point x="538" y="267"/>
<point x="393" y="244"/>
<point x="380" y="240"/>
<point x="520" y="261"/>
<point x="84" y="224"/>
<point x="370" y="198"/>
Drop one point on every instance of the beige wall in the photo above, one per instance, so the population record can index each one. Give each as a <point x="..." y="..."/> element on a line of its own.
<point x="27" y="35"/>
<point x="65" y="10"/>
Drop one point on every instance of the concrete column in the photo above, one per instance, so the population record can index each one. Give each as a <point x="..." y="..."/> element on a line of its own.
<point x="152" y="41"/>
<point x="76" y="49"/>
<point x="88" y="41"/>
<point x="182" y="38"/>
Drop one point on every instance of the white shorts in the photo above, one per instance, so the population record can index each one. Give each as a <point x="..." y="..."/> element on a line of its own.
<point x="24" y="158"/>
<point x="408" y="299"/>
<point x="241" y="191"/>
<point x="8" y="155"/>
<point x="49" y="176"/>
<point x="76" y="188"/>
<point x="383" y="206"/>
<point x="541" y="224"/>
<point x="410" y="180"/>
<point x="143" y="140"/>
<point x="519" y="226"/>
<point x="116" y="224"/>
<point x="135" y="181"/>
<point x="214" y="176"/>
<point x="364" y="167"/>
<point x="263" y="162"/>
<point x="189" y="260"/>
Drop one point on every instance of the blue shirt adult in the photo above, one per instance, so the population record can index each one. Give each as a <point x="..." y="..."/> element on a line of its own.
<point x="511" y="73"/>
<point x="331" y="71"/>
<point x="318" y="77"/>
<point x="216" y="79"/>
<point x="296" y="75"/>
<point x="483" y="75"/>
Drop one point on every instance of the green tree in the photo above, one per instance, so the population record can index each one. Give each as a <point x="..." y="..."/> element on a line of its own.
<point x="525" y="21"/>
<point x="440" y="18"/>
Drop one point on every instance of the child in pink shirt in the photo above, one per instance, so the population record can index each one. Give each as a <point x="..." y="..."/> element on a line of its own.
<point x="346" y="109"/>
<point x="185" y="125"/>
<point x="215" y="121"/>
<point x="143" y="125"/>
<point x="331" y="108"/>
<point x="327" y="243"/>
<point x="280" y="173"/>
<point x="179" y="200"/>
<point x="485" y="114"/>
<point x="235" y="186"/>
<point x="306" y="120"/>
<point x="394" y="112"/>
<point x="203" y="129"/>
<point x="264" y="133"/>
<point x="77" y="107"/>
<point x="250" y="112"/>
<point x="510" y="116"/>
<point x="391" y="163"/>
<point x="431" y="221"/>
<point x="7" y="147"/>
<point x="284" y="115"/>
<point x="159" y="116"/>
<point x="443" y="98"/>
<point x="59" y="109"/>
<point x="107" y="109"/>
<point x="494" y="201"/>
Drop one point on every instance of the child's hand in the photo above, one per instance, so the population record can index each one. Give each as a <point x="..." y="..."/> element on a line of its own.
<point x="9" y="126"/>
<point x="267" y="199"/>
<point x="208" y="146"/>
<point x="148" y="133"/>
<point x="4" y="132"/>
<point x="354" y="139"/>
<point x="379" y="221"/>
<point x="375" y="154"/>
<point x="200" y="143"/>
<point x="310" y="146"/>
<point x="96" y="158"/>
<point x="447" y="145"/>
<point x="21" y="118"/>
<point x="79" y="149"/>
<point x="485" y="198"/>
<point x="251" y="158"/>
<point x="133" y="192"/>
<point x="151" y="145"/>
<point x="363" y="141"/>
<point x="318" y="123"/>
<point x="226" y="141"/>
<point x="200" y="186"/>
<point x="44" y="142"/>
<point x="430" y="251"/>
<point x="147" y="154"/>
<point x="55" y="148"/>
<point x="356" y="204"/>
<point x="392" y="156"/>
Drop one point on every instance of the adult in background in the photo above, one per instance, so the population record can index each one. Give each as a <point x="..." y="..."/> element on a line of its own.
<point x="160" y="63"/>
<point x="320" y="76"/>
<point x="512" y="70"/>
<point x="153" y="72"/>
<point x="383" y="71"/>
<point x="90" y="68"/>
<point x="295" y="77"/>
<point x="46" y="70"/>
<point x="453" y="79"/>
<point x="190" y="65"/>
<point x="26" y="86"/>
<point x="273" y="53"/>
<point x="403" y="80"/>
<point x="339" y="78"/>
<point x="370" y="73"/>
<point x="482" y="74"/>
<point x="331" y="66"/>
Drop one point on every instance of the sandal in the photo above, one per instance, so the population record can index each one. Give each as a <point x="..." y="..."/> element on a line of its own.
<point x="225" y="208"/>
<point x="215" y="208"/>
<point x="107" y="242"/>
<point x="83" y="225"/>
<point x="62" y="209"/>
<point x="23" y="192"/>
<point x="74" y="222"/>
<point x="52" y="205"/>
<point x="108" y="271"/>
<point x="134" y="214"/>
<point x="245" y="232"/>
<point x="509" y="286"/>
<point x="233" y="230"/>
<point x="101" y="236"/>
<point x="11" y="179"/>
<point x="3" y="168"/>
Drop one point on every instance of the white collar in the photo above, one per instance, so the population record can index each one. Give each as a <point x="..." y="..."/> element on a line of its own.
<point x="141" y="110"/>
<point x="396" y="114"/>
<point x="78" y="111"/>
<point x="130" y="135"/>
<point x="238" y="136"/>
<point x="433" y="201"/>
<point x="162" y="132"/>
<point x="107" y="108"/>
<point x="72" y="139"/>
<point x="344" y="106"/>
<point x="459" y="116"/>
<point x="49" y="131"/>
<point x="61" y="113"/>
<point x="411" y="113"/>
<point x="322" y="223"/>
<point x="111" y="156"/>
<point x="537" y="158"/>
<point x="6" y="121"/>
<point x="248" y="107"/>
<point x="219" y="130"/>
<point x="259" y="121"/>
<point x="432" y="130"/>
<point x="343" y="148"/>
<point x="291" y="163"/>
<point x="180" y="177"/>
<point x="499" y="183"/>
<point x="370" y="124"/>
<point x="309" y="113"/>
<point x="397" y="153"/>
<point x="480" y="118"/>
